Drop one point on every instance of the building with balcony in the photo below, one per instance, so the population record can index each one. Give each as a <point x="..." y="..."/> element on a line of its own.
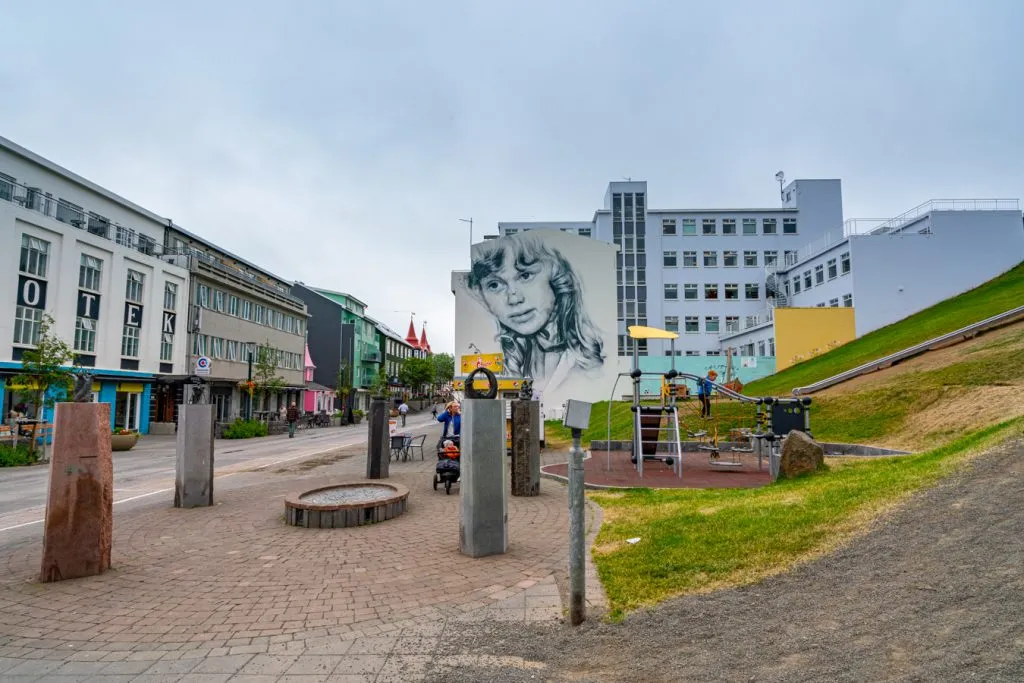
<point x="343" y="341"/>
<point x="717" y="276"/>
<point x="90" y="260"/>
<point x="235" y="309"/>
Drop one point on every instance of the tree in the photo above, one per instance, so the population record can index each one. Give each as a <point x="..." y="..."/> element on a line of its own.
<point x="343" y="389"/>
<point x="416" y="372"/>
<point x="45" y="369"/>
<point x="264" y="377"/>
<point x="444" y="368"/>
<point x="380" y="387"/>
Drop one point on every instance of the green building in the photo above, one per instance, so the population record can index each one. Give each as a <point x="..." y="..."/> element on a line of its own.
<point x="364" y="352"/>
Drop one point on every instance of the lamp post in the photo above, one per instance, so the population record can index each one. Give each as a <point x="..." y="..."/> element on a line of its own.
<point x="470" y="221"/>
<point x="248" y="383"/>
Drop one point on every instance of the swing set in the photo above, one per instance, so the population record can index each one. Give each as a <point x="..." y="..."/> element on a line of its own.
<point x="657" y="428"/>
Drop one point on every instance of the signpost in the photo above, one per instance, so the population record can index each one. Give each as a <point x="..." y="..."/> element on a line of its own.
<point x="203" y="365"/>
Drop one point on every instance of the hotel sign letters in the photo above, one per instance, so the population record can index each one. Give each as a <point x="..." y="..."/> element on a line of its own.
<point x="88" y="305"/>
<point x="132" y="314"/>
<point x="31" y="292"/>
<point x="169" y="319"/>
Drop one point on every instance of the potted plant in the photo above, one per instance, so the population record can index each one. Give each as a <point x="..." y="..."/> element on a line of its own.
<point x="122" y="439"/>
<point x="357" y="416"/>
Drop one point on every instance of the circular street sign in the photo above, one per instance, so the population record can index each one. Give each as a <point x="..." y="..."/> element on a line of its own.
<point x="203" y="363"/>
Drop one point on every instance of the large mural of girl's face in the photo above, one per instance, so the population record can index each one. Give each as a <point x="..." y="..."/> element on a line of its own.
<point x="519" y="294"/>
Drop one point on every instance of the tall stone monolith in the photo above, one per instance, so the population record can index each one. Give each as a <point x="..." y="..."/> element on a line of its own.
<point x="483" y="515"/>
<point x="378" y="442"/>
<point x="79" y="527"/>
<point x="193" y="484"/>
<point x="525" y="448"/>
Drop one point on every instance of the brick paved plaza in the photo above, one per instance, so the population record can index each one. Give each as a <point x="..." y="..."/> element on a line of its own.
<point x="232" y="593"/>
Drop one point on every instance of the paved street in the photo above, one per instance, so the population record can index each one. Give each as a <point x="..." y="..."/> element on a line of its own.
<point x="232" y="593"/>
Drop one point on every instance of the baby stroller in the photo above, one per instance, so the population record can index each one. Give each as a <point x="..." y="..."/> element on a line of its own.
<point x="447" y="469"/>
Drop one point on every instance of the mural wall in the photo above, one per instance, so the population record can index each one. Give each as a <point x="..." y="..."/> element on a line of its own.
<point x="545" y="300"/>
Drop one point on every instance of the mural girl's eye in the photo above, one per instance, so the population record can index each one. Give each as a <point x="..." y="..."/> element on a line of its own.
<point x="494" y="285"/>
<point x="526" y="276"/>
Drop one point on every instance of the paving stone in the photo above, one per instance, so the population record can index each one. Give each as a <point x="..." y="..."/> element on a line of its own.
<point x="275" y="665"/>
<point x="227" y="664"/>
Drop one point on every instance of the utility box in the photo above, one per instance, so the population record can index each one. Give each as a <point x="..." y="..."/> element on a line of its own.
<point x="577" y="414"/>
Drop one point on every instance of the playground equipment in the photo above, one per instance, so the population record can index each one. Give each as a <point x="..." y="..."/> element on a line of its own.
<point x="657" y="428"/>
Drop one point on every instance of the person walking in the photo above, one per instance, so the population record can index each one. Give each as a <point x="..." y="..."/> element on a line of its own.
<point x="433" y="411"/>
<point x="293" y="417"/>
<point x="403" y="410"/>
<point x="704" y="390"/>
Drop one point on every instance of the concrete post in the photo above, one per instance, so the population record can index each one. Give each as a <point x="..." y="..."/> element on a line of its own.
<point x="577" y="534"/>
<point x="483" y="515"/>
<point x="79" y="526"/>
<point x="525" y="448"/>
<point x="378" y="454"/>
<point x="193" y="484"/>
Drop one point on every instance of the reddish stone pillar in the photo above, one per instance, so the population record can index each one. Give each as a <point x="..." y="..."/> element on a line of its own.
<point x="80" y="506"/>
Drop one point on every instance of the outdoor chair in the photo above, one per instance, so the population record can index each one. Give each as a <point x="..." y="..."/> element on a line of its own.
<point x="412" y="443"/>
<point x="398" y="449"/>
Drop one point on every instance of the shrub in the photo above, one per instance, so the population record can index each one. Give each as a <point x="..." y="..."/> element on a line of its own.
<point x="121" y="431"/>
<point x="14" y="456"/>
<point x="245" y="429"/>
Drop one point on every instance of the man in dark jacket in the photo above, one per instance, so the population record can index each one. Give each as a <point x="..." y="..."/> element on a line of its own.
<point x="293" y="417"/>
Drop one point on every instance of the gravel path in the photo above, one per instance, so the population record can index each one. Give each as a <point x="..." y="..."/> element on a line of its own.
<point x="934" y="593"/>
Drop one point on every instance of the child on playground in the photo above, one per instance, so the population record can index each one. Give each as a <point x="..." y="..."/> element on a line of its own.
<point x="704" y="390"/>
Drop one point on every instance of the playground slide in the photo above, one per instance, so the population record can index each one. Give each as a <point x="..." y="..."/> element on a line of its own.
<point x="955" y="337"/>
<point x="721" y="389"/>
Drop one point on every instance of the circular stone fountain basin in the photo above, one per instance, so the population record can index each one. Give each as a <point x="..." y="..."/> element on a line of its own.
<point x="347" y="504"/>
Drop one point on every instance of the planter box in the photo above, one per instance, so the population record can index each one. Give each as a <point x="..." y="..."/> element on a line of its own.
<point x="123" y="442"/>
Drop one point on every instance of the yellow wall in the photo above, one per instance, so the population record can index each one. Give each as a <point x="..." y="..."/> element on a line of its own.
<point x="802" y="333"/>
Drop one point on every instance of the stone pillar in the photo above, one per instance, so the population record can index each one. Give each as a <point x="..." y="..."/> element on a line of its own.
<point x="79" y="526"/>
<point x="525" y="448"/>
<point x="378" y="454"/>
<point x="483" y="516"/>
<point x="193" y="485"/>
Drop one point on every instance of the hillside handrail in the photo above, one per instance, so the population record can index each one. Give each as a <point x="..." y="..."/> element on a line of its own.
<point x="967" y="332"/>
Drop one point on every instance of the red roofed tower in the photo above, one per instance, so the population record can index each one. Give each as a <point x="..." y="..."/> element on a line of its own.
<point x="410" y="337"/>
<point x="424" y="344"/>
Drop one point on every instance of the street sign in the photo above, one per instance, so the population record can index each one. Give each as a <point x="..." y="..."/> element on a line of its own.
<point x="202" y="365"/>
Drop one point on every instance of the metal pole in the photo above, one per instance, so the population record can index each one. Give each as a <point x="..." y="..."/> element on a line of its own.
<point x="249" y="402"/>
<point x="577" y="585"/>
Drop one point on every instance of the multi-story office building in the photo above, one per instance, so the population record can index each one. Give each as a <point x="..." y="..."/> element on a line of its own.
<point x="90" y="260"/>
<point x="716" y="275"/>
<point x="236" y="308"/>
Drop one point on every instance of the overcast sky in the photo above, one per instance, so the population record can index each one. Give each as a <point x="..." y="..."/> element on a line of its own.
<point x="339" y="142"/>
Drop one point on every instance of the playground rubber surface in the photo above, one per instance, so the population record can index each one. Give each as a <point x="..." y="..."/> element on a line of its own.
<point x="698" y="472"/>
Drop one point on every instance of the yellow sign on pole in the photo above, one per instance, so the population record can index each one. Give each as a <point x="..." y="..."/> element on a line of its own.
<point x="495" y="362"/>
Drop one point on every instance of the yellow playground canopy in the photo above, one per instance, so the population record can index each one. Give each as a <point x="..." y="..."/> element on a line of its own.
<point x="638" y="332"/>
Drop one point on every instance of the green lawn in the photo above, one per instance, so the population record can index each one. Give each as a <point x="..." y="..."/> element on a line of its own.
<point x="993" y="297"/>
<point x="697" y="540"/>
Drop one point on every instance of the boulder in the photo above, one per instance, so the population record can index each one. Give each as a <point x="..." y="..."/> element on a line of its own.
<point x="800" y="455"/>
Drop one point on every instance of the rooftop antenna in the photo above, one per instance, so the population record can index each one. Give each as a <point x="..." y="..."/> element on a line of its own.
<point x="781" y="178"/>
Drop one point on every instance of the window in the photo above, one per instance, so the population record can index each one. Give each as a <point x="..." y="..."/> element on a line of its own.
<point x="796" y="285"/>
<point x="279" y="320"/>
<point x="790" y="257"/>
<point x="771" y="346"/>
<point x="232" y="350"/>
<point x="218" y="301"/>
<point x="692" y="353"/>
<point x="711" y="291"/>
<point x="728" y="226"/>
<point x="752" y="290"/>
<point x="711" y="324"/>
<point x="749" y="226"/>
<point x="807" y="280"/>
<point x="788" y="226"/>
<point x="668" y="226"/>
<point x="730" y="259"/>
<point x="771" y="258"/>
<point x="203" y="296"/>
<point x="90" y="271"/>
<point x="584" y="232"/>
<point x="710" y="226"/>
<point x="69" y="213"/>
<point x="170" y="296"/>
<point x="819" y="275"/>
<point x="246" y="309"/>
<point x="713" y="353"/>
<point x="133" y="288"/>
<point x="690" y="292"/>
<point x="833" y="303"/>
<point x="130" y="342"/>
<point x="166" y="347"/>
<point x="233" y="305"/>
<point x="689" y="226"/>
<point x="768" y="226"/>
<point x="692" y="324"/>
<point x="85" y="335"/>
<point x="760" y="348"/>
<point x="750" y="259"/>
<point x="821" y="305"/>
<point x="146" y="245"/>
<point x="35" y="256"/>
<point x="511" y="231"/>
<point x="671" y="292"/>
<point x="669" y="259"/>
<point x="260" y="316"/>
<point x="200" y="344"/>
<point x="689" y="259"/>
<point x="844" y="261"/>
<point x="298" y="327"/>
<point x="732" y="323"/>
<point x="848" y="300"/>
<point x="216" y="347"/>
<point x="672" y="323"/>
<point x="289" y="324"/>
<point x="124" y="236"/>
<point x="710" y="259"/>
<point x="27" y="322"/>
<point x="732" y="292"/>
<point x="832" y="271"/>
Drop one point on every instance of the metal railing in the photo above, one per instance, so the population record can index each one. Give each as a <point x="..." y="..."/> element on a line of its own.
<point x="963" y="334"/>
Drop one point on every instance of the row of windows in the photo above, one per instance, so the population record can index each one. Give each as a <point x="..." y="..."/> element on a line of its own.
<point x="709" y="226"/>
<point x="730" y="259"/>
<point x="222" y="302"/>
<point x="691" y="353"/>
<point x="712" y="324"/>
<point x="809" y="280"/>
<point x="765" y="347"/>
<point x="713" y="291"/>
<point x="582" y="232"/>
<point x="236" y="351"/>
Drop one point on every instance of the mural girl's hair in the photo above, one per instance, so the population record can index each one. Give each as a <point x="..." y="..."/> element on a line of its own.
<point x="575" y="331"/>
